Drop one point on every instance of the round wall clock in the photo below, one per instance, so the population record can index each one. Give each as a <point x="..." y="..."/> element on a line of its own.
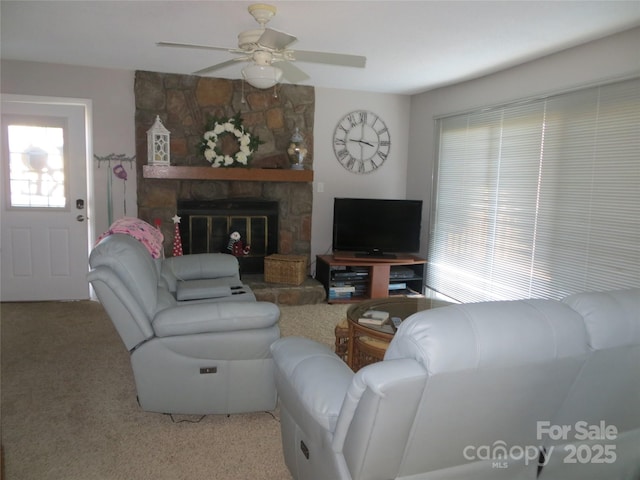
<point x="361" y="142"/>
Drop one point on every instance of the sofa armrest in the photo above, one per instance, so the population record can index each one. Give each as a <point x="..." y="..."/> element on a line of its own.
<point x="377" y="416"/>
<point x="203" y="288"/>
<point x="311" y="378"/>
<point x="215" y="317"/>
<point x="377" y="379"/>
<point x="199" y="266"/>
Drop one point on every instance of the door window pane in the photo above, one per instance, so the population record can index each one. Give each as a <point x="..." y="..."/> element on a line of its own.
<point x="36" y="166"/>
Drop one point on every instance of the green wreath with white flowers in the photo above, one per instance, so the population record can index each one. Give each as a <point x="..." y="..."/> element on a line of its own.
<point x="217" y="128"/>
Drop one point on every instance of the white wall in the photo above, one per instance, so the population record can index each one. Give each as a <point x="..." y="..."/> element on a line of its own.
<point x="605" y="59"/>
<point x="111" y="93"/>
<point x="388" y="181"/>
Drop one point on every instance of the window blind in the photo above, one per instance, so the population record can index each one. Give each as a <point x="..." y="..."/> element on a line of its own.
<point x="539" y="199"/>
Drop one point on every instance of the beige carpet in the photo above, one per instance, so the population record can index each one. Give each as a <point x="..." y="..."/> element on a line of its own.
<point x="69" y="408"/>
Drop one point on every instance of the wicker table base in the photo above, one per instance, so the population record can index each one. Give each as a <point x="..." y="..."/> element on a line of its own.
<point x="367" y="350"/>
<point x="342" y="340"/>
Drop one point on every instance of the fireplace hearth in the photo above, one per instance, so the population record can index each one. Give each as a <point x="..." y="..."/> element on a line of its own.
<point x="206" y="227"/>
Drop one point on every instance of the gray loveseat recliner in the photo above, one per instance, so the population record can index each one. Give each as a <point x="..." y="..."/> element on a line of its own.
<point x="201" y="356"/>
<point x="484" y="391"/>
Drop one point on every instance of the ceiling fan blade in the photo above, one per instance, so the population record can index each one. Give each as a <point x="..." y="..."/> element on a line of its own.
<point x="340" y="59"/>
<point x="292" y="73"/>
<point x="193" y="45"/>
<point x="219" y="66"/>
<point x="275" y="40"/>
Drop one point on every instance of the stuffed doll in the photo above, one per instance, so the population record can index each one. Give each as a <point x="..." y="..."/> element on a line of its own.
<point x="236" y="246"/>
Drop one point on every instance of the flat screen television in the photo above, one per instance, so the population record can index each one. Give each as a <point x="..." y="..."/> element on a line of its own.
<point x="376" y="228"/>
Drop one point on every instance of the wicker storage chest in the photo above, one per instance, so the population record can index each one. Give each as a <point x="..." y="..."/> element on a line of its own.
<point x="289" y="269"/>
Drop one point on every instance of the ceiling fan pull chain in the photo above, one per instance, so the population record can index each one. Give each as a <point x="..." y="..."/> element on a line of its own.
<point x="275" y="85"/>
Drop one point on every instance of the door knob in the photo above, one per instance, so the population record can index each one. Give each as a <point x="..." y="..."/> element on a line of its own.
<point x="80" y="218"/>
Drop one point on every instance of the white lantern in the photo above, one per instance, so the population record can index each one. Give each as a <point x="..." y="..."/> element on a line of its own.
<point x="158" y="144"/>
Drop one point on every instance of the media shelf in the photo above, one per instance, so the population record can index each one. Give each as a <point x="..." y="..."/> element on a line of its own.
<point x="348" y="279"/>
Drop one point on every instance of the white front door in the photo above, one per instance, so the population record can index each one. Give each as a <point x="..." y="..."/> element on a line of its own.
<point x="45" y="231"/>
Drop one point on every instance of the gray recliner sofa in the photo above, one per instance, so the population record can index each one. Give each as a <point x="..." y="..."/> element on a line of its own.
<point x="206" y="354"/>
<point x="483" y="391"/>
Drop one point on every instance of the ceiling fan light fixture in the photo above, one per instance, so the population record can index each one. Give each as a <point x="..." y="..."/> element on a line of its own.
<point x="261" y="76"/>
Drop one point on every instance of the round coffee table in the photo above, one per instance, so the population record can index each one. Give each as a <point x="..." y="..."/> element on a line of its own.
<point x="368" y="343"/>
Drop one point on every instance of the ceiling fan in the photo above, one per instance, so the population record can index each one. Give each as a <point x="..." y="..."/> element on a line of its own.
<point x="265" y="47"/>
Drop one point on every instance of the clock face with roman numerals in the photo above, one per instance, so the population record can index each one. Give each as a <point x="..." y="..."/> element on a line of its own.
<point x="361" y="142"/>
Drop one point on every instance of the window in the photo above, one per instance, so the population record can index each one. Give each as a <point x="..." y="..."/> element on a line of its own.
<point x="36" y="164"/>
<point x="539" y="199"/>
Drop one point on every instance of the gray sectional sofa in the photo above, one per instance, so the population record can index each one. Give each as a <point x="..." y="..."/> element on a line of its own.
<point x="499" y="390"/>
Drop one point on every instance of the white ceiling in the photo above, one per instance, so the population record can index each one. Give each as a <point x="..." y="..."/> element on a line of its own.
<point x="411" y="46"/>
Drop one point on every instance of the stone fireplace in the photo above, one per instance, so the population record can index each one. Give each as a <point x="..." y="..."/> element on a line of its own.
<point x="184" y="103"/>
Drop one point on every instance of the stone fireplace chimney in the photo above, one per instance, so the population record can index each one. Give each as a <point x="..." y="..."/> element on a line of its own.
<point x="184" y="102"/>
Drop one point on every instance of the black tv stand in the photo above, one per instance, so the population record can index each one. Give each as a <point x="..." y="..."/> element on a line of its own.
<point x="388" y="256"/>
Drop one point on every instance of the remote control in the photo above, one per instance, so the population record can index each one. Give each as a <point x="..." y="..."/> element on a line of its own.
<point x="396" y="321"/>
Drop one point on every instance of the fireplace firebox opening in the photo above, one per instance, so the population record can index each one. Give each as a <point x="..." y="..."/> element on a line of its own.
<point x="206" y="226"/>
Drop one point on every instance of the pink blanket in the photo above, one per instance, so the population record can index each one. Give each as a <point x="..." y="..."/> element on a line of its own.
<point x="147" y="234"/>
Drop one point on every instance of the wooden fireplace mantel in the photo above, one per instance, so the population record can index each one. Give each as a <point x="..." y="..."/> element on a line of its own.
<point x="240" y="174"/>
